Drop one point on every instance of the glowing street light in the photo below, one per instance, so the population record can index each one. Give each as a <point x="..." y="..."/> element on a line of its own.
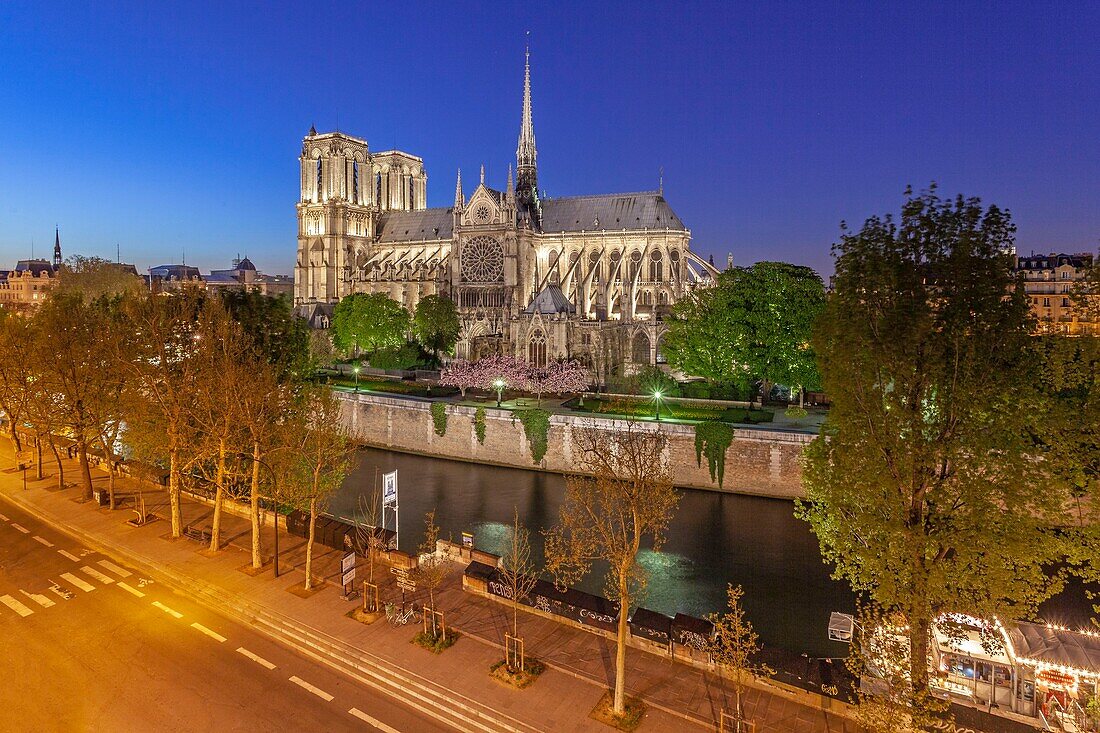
<point x="499" y="384"/>
<point x="657" y="400"/>
<point x="355" y="369"/>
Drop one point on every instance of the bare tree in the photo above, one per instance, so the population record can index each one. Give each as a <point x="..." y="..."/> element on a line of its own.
<point x="370" y="537"/>
<point x="734" y="646"/>
<point x="430" y="568"/>
<point x="517" y="573"/>
<point x="321" y="459"/>
<point x="627" y="495"/>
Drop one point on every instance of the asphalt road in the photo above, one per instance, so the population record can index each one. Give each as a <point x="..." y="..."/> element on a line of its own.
<point x="86" y="644"/>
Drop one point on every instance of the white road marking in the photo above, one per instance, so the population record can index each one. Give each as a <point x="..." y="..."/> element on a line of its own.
<point x="105" y="579"/>
<point x="108" y="565"/>
<point x="3" y="517"/>
<point x="212" y="634"/>
<point x="129" y="589"/>
<point x="86" y="587"/>
<point x="167" y="610"/>
<point x="43" y="540"/>
<point x="21" y="528"/>
<point x="257" y="659"/>
<point x="71" y="556"/>
<point x="373" y="721"/>
<point x="315" y="690"/>
<point x="15" y="606"/>
<point x="38" y="598"/>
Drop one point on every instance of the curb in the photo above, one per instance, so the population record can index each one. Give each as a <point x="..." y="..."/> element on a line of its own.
<point x="403" y="685"/>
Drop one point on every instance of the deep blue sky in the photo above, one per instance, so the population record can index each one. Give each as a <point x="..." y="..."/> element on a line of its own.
<point x="167" y="127"/>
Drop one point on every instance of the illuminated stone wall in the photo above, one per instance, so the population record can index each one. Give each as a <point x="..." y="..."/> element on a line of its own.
<point x="762" y="462"/>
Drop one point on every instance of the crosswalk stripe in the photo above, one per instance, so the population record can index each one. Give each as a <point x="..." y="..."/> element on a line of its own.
<point x="71" y="556"/>
<point x="120" y="572"/>
<point x="373" y="721"/>
<point x="257" y="659"/>
<point x="97" y="575"/>
<point x="167" y="610"/>
<point x="43" y="540"/>
<point x="3" y="517"/>
<point x="129" y="589"/>
<point x="208" y="632"/>
<point x="86" y="587"/>
<point x="38" y="598"/>
<point x="315" y="690"/>
<point x="21" y="528"/>
<point x="16" y="606"/>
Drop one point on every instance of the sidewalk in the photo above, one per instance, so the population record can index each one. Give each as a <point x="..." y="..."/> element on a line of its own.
<point x="581" y="664"/>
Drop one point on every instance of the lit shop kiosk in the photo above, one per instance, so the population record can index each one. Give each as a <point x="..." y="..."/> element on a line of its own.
<point x="1060" y="669"/>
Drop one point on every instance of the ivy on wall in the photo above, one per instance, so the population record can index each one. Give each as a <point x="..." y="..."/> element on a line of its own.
<point x="536" y="426"/>
<point x="479" y="425"/>
<point x="439" y="417"/>
<point x="712" y="439"/>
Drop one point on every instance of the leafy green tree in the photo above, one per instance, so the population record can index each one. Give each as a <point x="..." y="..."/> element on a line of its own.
<point x="435" y="325"/>
<point x="702" y="339"/>
<point x="926" y="488"/>
<point x="366" y="323"/>
<point x="269" y="322"/>
<point x="754" y="324"/>
<point x="95" y="277"/>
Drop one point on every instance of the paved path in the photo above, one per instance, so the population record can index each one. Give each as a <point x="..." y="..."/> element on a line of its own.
<point x="378" y="655"/>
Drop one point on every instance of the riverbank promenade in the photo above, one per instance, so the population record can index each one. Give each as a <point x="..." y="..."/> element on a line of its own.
<point x="580" y="663"/>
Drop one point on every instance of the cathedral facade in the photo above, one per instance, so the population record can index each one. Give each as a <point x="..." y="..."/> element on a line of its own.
<point x="584" y="277"/>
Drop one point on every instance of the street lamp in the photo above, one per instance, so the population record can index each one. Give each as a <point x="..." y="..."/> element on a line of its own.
<point x="499" y="384"/>
<point x="657" y="400"/>
<point x="355" y="369"/>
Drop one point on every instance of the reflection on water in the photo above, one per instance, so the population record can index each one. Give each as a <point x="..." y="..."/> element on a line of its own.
<point x="714" y="539"/>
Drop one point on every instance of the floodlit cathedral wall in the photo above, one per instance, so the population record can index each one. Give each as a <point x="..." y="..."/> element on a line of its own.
<point x="587" y="277"/>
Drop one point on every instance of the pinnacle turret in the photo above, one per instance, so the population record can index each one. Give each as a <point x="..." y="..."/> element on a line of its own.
<point x="57" y="247"/>
<point x="527" y="188"/>
<point x="459" y="200"/>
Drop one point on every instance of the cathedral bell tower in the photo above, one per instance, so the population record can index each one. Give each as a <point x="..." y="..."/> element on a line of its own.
<point x="527" y="187"/>
<point x="336" y="214"/>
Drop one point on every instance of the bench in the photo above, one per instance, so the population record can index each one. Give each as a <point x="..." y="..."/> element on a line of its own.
<point x="197" y="533"/>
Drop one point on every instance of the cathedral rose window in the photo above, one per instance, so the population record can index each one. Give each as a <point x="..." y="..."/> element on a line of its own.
<point x="482" y="260"/>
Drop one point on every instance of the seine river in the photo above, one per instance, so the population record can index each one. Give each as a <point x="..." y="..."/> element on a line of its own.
<point x="713" y="540"/>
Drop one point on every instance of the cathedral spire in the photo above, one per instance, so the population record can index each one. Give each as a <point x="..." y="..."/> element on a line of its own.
<point x="527" y="189"/>
<point x="459" y="200"/>
<point x="57" y="247"/>
<point x="525" y="150"/>
<point x="482" y="174"/>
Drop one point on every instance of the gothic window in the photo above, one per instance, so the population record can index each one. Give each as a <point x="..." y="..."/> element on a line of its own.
<point x="355" y="182"/>
<point x="635" y="260"/>
<point x="536" y="349"/>
<point x="482" y="260"/>
<point x="594" y="265"/>
<point x="320" y="180"/>
<point x="378" y="188"/>
<point x="412" y="203"/>
<point x="656" y="267"/>
<point x="612" y="270"/>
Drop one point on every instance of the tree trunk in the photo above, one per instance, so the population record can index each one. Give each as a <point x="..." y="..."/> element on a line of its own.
<point x="619" y="706"/>
<point x="918" y="657"/>
<point x="219" y="500"/>
<point x="85" y="469"/>
<point x="309" y="543"/>
<point x="802" y="397"/>
<point x="14" y="434"/>
<point x="765" y="390"/>
<point x="254" y="509"/>
<point x="60" y="465"/>
<point x="38" y="463"/>
<point x="174" y="489"/>
<point x="110" y="471"/>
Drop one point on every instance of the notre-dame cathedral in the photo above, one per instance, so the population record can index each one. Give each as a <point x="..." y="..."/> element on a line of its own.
<point x="585" y="277"/>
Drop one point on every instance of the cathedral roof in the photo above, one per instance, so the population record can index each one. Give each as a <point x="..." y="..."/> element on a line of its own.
<point x="415" y="226"/>
<point x="550" y="300"/>
<point x="646" y="209"/>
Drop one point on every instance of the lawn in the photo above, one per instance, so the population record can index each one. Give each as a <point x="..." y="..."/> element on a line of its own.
<point x="393" y="386"/>
<point x="669" y="411"/>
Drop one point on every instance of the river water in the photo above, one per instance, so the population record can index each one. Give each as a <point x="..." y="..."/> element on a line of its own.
<point x="714" y="539"/>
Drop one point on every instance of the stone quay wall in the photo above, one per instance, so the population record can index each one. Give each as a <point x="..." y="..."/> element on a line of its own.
<point x="758" y="461"/>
